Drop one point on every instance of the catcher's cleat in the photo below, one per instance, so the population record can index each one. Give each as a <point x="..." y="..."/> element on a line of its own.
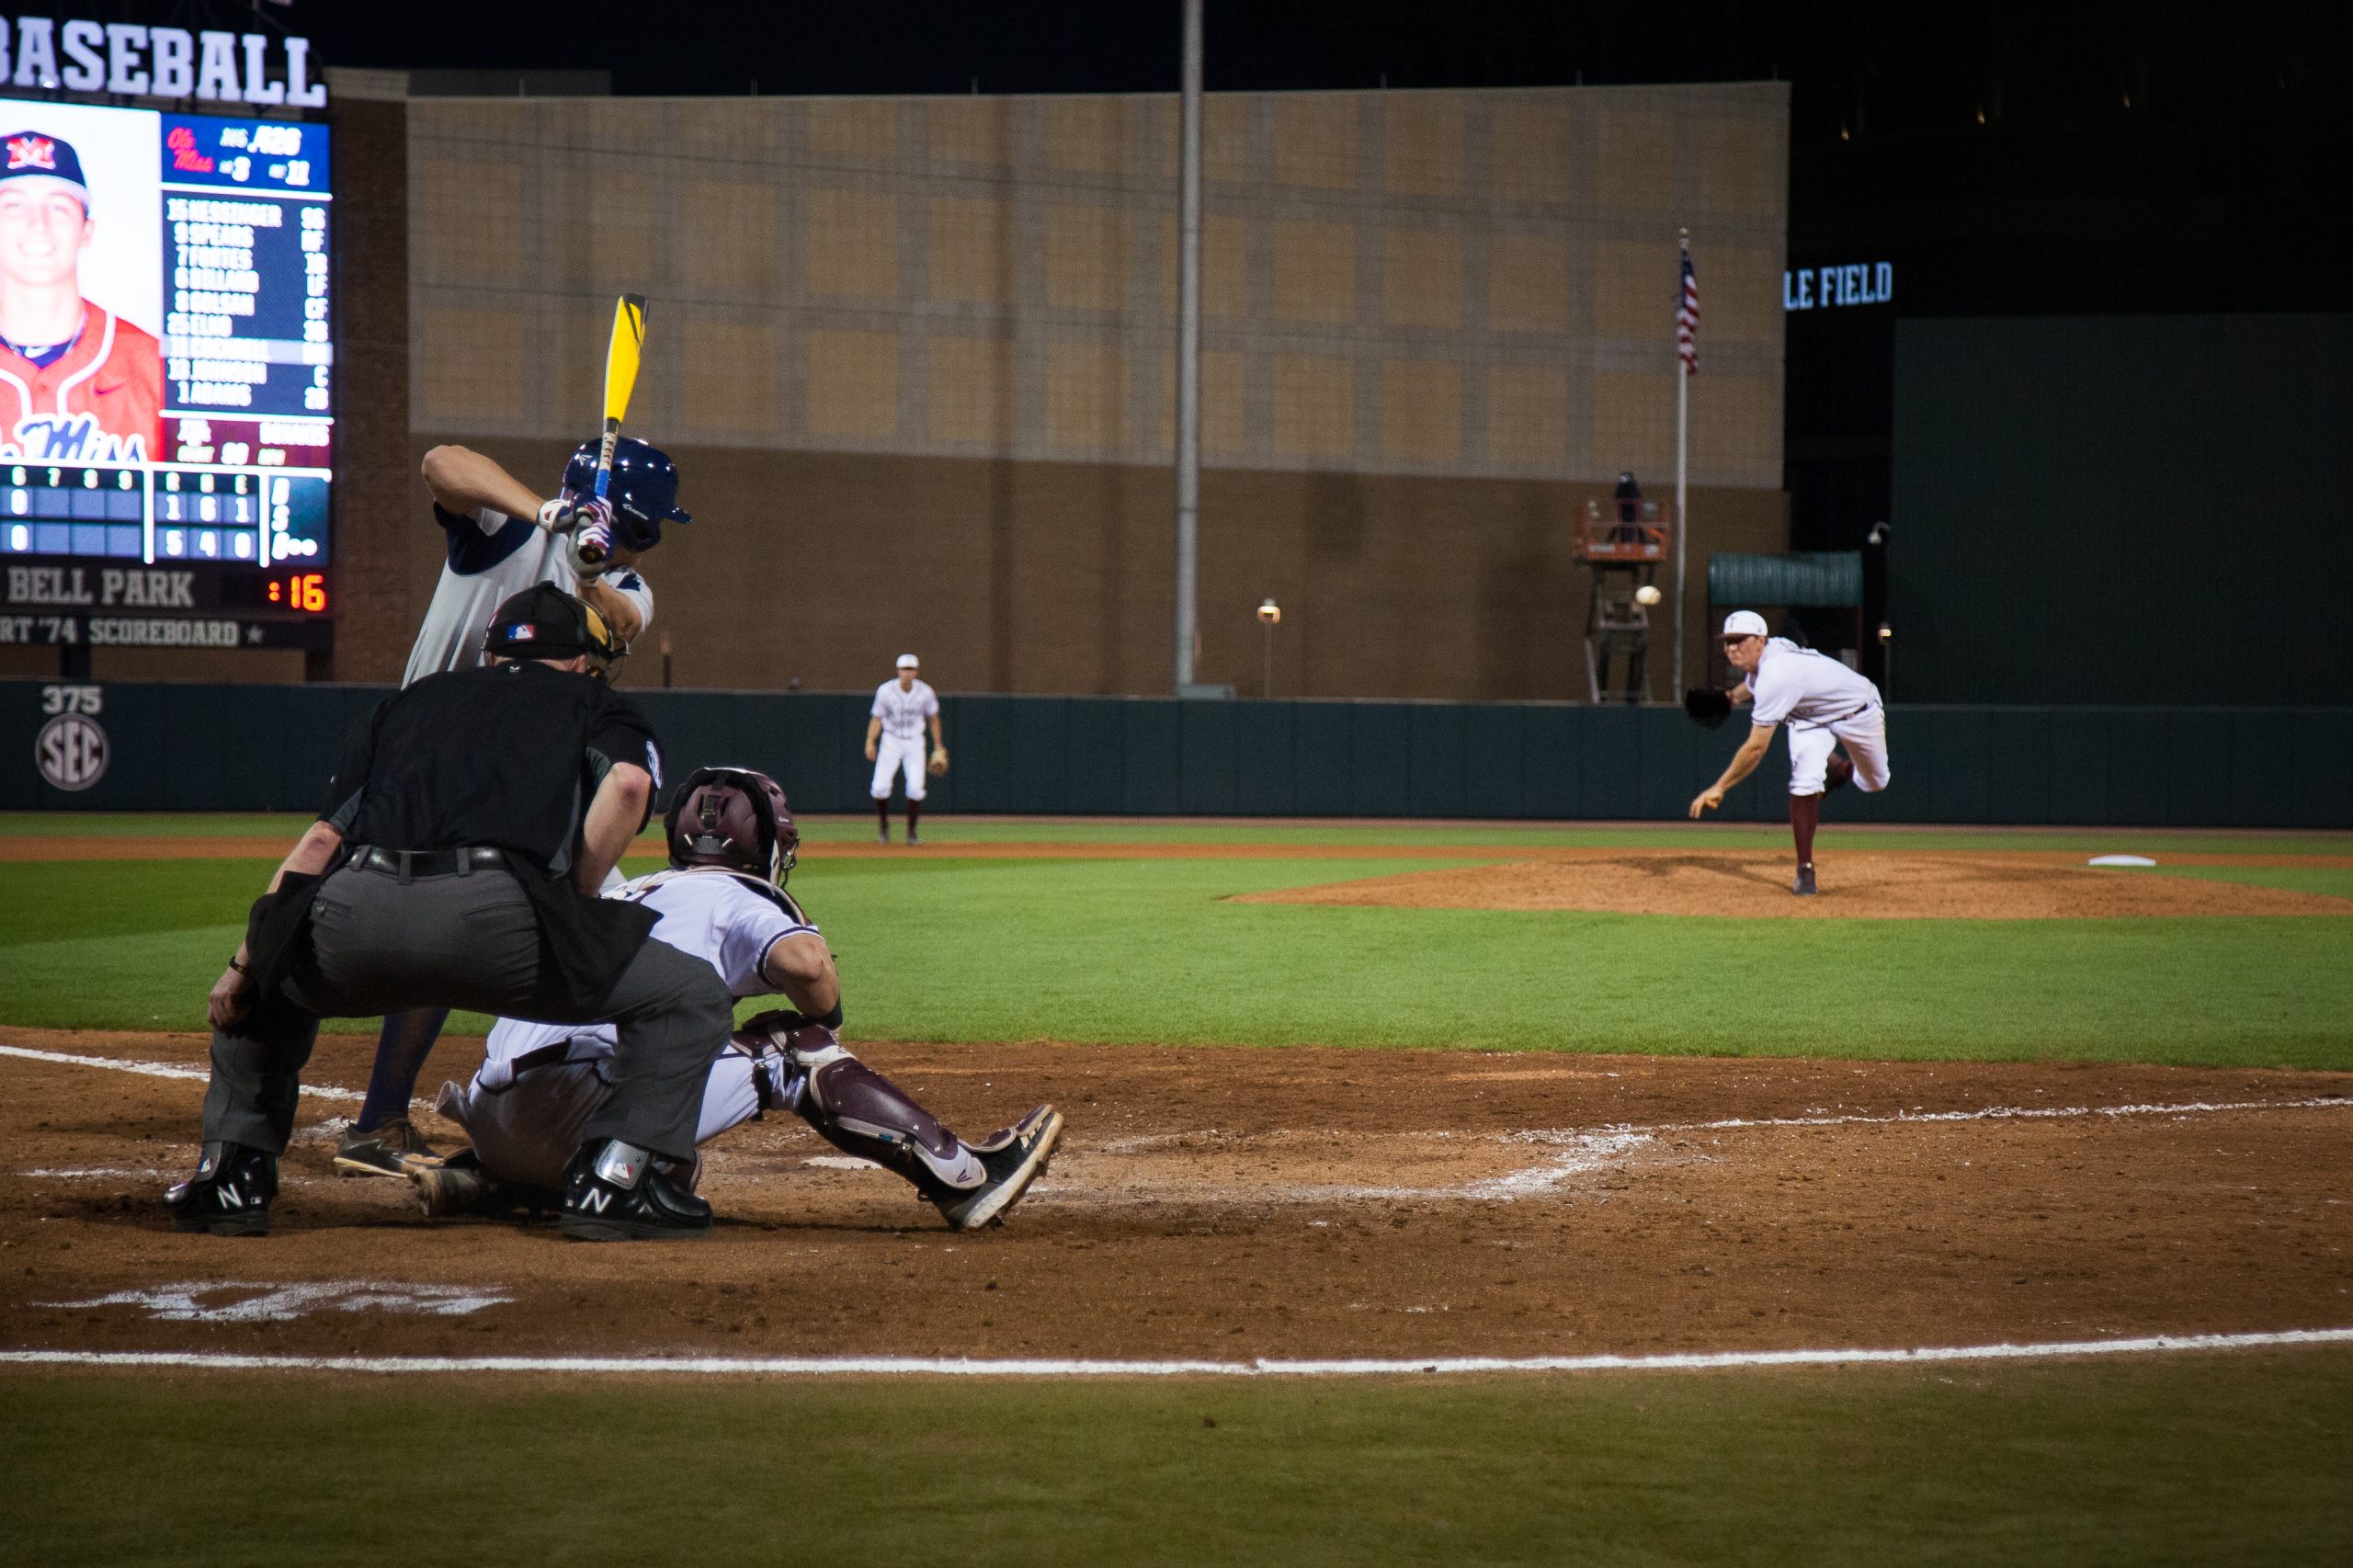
<point x="883" y="836"/>
<point x="915" y="839"/>
<point x="229" y="1195"/>
<point x="617" y="1192"/>
<point x="459" y="1185"/>
<point x="1014" y="1156"/>
<point x="1803" y="886"/>
<point x="395" y="1149"/>
<point x="446" y="1190"/>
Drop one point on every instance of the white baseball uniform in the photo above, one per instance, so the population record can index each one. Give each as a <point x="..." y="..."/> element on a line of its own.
<point x="492" y="558"/>
<point x="900" y="746"/>
<point x="540" y="1082"/>
<point x="1823" y="703"/>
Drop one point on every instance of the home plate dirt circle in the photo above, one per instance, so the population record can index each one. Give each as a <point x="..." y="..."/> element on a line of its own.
<point x="1231" y="1204"/>
<point x="1868" y="885"/>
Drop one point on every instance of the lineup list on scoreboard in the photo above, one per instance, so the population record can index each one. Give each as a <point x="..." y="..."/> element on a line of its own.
<point x="249" y="363"/>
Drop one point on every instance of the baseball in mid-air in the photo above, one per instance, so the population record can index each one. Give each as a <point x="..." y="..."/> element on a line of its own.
<point x="1647" y="595"/>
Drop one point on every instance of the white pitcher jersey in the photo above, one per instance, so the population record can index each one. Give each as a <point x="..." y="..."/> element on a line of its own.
<point x="1805" y="686"/>
<point x="492" y="558"/>
<point x="728" y="922"/>
<point x="902" y="712"/>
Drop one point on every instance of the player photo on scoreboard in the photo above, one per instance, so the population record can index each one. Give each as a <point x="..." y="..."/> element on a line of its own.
<point x="81" y="284"/>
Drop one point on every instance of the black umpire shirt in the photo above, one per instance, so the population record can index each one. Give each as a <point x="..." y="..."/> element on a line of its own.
<point x="505" y="756"/>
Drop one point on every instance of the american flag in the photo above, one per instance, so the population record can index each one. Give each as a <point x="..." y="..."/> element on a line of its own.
<point x="1687" y="317"/>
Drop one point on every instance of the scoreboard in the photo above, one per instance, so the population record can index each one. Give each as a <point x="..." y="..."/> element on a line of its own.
<point x="167" y="387"/>
<point x="169" y="512"/>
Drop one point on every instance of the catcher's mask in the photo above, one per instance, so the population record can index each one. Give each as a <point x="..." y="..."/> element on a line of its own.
<point x="733" y="817"/>
<point x="545" y="622"/>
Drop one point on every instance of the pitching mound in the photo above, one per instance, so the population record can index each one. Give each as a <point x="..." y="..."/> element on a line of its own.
<point x="1881" y="885"/>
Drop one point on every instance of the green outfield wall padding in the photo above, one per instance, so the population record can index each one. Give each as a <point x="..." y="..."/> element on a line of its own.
<point x="246" y="748"/>
<point x="1832" y="578"/>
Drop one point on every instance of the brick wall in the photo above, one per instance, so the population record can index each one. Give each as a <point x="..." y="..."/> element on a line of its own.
<point x="375" y="538"/>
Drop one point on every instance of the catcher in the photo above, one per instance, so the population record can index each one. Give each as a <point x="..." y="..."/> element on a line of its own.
<point x="733" y="844"/>
<point x="1825" y="706"/>
<point x="894" y="741"/>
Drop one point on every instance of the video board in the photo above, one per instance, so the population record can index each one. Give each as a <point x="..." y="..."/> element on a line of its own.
<point x="166" y="367"/>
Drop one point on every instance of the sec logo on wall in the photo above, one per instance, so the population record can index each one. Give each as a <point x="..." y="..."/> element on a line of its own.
<point x="72" y="752"/>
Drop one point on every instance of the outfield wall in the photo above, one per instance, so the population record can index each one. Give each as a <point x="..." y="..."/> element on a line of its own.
<point x="181" y="747"/>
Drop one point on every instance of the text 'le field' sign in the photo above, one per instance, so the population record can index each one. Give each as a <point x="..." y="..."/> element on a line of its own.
<point x="1827" y="288"/>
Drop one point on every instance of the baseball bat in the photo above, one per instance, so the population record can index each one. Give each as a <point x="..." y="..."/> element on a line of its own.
<point x="622" y="357"/>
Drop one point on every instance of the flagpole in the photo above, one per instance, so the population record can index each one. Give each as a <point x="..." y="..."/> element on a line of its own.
<point x="1682" y="429"/>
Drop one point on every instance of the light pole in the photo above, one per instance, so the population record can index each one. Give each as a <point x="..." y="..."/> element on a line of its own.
<point x="1270" y="614"/>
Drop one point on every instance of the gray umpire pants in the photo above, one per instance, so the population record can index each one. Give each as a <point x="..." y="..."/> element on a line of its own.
<point x="379" y="945"/>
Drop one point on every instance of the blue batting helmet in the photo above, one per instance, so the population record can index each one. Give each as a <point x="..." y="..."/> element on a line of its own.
<point x="644" y="489"/>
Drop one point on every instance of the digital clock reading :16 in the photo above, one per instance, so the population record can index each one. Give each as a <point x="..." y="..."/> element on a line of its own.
<point x="306" y="591"/>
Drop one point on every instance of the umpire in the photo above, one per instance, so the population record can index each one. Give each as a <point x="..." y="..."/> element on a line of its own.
<point x="455" y="863"/>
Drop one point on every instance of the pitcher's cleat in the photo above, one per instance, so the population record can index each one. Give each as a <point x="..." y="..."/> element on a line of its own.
<point x="1803" y="886"/>
<point x="229" y="1195"/>
<point x="395" y="1149"/>
<point x="1014" y="1157"/>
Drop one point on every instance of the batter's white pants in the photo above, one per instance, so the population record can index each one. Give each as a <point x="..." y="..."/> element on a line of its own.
<point x="892" y="754"/>
<point x="528" y="1131"/>
<point x="1865" y="738"/>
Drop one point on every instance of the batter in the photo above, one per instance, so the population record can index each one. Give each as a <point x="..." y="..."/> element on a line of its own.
<point x="502" y="540"/>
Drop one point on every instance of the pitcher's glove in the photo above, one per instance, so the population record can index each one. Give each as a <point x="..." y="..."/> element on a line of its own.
<point x="1707" y="706"/>
<point x="937" y="766"/>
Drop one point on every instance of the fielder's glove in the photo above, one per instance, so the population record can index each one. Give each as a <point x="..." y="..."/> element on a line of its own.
<point x="937" y="766"/>
<point x="1707" y="706"/>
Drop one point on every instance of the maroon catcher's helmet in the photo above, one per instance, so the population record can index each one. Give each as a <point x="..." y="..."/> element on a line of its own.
<point x="733" y="817"/>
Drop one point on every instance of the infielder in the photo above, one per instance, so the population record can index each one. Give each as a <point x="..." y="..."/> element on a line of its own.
<point x="733" y="844"/>
<point x="894" y="744"/>
<point x="502" y="540"/>
<point x="1824" y="704"/>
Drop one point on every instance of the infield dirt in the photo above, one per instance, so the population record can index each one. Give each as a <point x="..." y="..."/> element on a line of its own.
<point x="1230" y="1203"/>
<point x="1867" y="885"/>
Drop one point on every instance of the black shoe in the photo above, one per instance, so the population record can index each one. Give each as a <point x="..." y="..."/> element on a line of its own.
<point x="614" y="1192"/>
<point x="229" y="1195"/>
<point x="1803" y="886"/>
<point x="1014" y="1157"/>
<point x="395" y="1149"/>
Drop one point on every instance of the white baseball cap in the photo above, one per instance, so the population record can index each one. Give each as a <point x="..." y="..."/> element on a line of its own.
<point x="1744" y="623"/>
<point x="909" y="661"/>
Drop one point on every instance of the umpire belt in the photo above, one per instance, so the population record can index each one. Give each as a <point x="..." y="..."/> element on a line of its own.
<point x="410" y="864"/>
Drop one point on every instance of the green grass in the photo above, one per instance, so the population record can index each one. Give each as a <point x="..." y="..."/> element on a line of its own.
<point x="937" y="947"/>
<point x="2238" y="1458"/>
<point x="943" y="833"/>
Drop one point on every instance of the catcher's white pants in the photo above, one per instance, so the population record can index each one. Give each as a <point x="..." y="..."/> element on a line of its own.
<point x="1864" y="737"/>
<point x="891" y="754"/>
<point x="528" y="1129"/>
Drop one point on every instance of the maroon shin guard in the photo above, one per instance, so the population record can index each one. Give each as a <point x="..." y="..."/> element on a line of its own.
<point x="1805" y="815"/>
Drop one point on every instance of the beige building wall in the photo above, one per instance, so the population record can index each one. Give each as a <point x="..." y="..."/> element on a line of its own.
<point x="1478" y="283"/>
<point x="915" y="358"/>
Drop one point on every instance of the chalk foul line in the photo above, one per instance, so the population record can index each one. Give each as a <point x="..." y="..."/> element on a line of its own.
<point x="157" y="1070"/>
<point x="967" y="1367"/>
